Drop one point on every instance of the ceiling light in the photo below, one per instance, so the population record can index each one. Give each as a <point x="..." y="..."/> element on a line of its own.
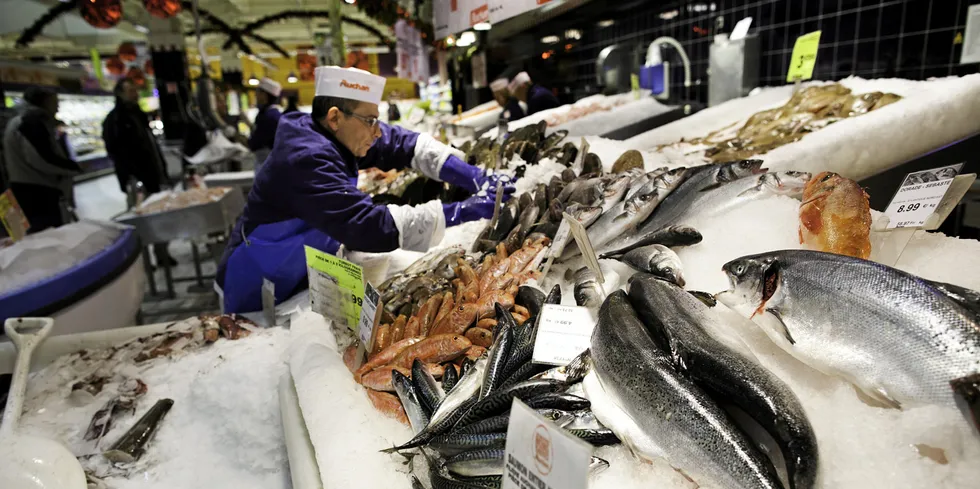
<point x="466" y="39"/>
<point x="351" y="2"/>
<point x="606" y="23"/>
<point x="573" y="34"/>
<point x="252" y="81"/>
<point x="550" y="40"/>
<point x="292" y="78"/>
<point x="482" y="26"/>
<point x="670" y="14"/>
<point x="450" y="41"/>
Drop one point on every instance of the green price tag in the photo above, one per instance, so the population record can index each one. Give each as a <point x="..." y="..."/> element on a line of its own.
<point x="635" y="84"/>
<point x="336" y="287"/>
<point x="804" y="57"/>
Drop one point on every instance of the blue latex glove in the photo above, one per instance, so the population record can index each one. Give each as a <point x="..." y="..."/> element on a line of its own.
<point x="471" y="178"/>
<point x="472" y="209"/>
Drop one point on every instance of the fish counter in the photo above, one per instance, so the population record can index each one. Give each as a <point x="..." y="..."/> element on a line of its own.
<point x="744" y="338"/>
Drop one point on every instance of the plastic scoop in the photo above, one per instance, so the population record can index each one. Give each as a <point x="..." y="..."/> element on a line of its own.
<point x="28" y="461"/>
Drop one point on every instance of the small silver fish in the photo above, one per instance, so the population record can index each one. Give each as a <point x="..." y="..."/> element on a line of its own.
<point x="588" y="292"/>
<point x="658" y="260"/>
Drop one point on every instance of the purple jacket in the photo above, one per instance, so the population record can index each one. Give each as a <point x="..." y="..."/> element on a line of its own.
<point x="310" y="176"/>
<point x="266" y="123"/>
<point x="540" y="98"/>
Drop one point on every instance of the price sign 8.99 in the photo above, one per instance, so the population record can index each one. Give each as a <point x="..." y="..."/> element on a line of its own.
<point x="919" y="196"/>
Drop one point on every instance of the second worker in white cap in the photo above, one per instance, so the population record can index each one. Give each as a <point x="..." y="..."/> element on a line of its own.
<point x="266" y="121"/>
<point x="306" y="192"/>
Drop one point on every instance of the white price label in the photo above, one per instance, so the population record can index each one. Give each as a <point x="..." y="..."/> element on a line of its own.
<point x="365" y="327"/>
<point x="741" y="29"/>
<point x="563" y="333"/>
<point x="919" y="196"/>
<point x="540" y="455"/>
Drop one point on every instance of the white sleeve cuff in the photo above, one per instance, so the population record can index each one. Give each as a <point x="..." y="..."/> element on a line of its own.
<point x="420" y="227"/>
<point x="430" y="155"/>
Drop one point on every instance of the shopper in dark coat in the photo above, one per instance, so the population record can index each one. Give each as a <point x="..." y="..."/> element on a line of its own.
<point x="38" y="166"/>
<point x="535" y="96"/>
<point x="130" y="142"/>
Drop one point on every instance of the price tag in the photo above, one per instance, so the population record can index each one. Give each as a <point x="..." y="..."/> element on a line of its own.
<point x="583" y="150"/>
<point x="12" y="216"/>
<point x="336" y="287"/>
<point x="919" y="196"/>
<point x="635" y="85"/>
<point x="561" y="238"/>
<point x="741" y="29"/>
<point x="585" y="245"/>
<point x="564" y="332"/>
<point x="365" y="327"/>
<point x="269" y="302"/>
<point x="804" y="57"/>
<point x="540" y="455"/>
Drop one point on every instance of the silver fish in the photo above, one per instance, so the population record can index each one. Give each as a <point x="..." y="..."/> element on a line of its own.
<point x="900" y="339"/>
<point x="614" y="191"/>
<point x="588" y="292"/>
<point x="586" y="215"/>
<point x="670" y="236"/>
<point x="658" y="260"/>
<point x="683" y="326"/>
<point x="410" y="401"/>
<point x="658" y="413"/>
<point x="622" y="219"/>
<point x="587" y="192"/>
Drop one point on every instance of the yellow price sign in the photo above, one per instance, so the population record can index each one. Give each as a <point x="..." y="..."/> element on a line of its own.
<point x="336" y="287"/>
<point x="12" y="216"/>
<point x="804" y="57"/>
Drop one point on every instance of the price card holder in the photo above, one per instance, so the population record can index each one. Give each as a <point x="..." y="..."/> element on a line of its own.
<point x="804" y="58"/>
<point x="557" y="245"/>
<point x="582" y="152"/>
<point x="368" y="322"/>
<point x="336" y="287"/>
<point x="563" y="333"/>
<point x="12" y="217"/>
<point x="269" y="302"/>
<point x="923" y="202"/>
<point x="585" y="245"/>
<point x="541" y="455"/>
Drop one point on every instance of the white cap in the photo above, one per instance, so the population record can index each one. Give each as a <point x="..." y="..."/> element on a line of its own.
<point x="519" y="80"/>
<point x="270" y="86"/>
<point x="349" y="83"/>
<point x="499" y="85"/>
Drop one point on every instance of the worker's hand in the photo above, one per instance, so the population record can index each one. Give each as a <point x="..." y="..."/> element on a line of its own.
<point x="471" y="178"/>
<point x="477" y="207"/>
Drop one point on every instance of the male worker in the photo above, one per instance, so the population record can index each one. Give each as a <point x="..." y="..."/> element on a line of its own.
<point x="306" y="192"/>
<point x="266" y="121"/>
<point x="512" y="108"/>
<point x="535" y="96"/>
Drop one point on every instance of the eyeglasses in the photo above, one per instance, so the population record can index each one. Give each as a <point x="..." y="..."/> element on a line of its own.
<point x="372" y="122"/>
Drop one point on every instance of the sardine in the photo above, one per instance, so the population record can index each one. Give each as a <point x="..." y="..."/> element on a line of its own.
<point x="598" y="437"/>
<point x="588" y="292"/>
<point x="659" y="413"/>
<point x="898" y="338"/>
<point x="449" y="378"/>
<point x="679" y="323"/>
<point x="500" y="401"/>
<point x="556" y="400"/>
<point x="411" y="403"/>
<point x="477" y="463"/>
<point x="498" y="353"/>
<point x="430" y="392"/>
<point x="658" y="260"/>
<point x="670" y="236"/>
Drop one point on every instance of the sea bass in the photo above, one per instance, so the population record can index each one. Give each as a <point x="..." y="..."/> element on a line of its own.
<point x="659" y="413"/>
<point x="623" y="218"/>
<point x="900" y="339"/>
<point x="658" y="260"/>
<point x="679" y="323"/>
<point x="835" y="216"/>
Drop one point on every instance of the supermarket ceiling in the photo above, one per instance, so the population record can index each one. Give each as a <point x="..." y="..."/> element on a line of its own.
<point x="70" y="36"/>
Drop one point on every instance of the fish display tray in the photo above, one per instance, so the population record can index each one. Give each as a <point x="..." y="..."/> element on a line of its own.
<point x="187" y="222"/>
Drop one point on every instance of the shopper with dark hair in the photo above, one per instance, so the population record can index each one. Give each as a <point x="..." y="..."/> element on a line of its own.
<point x="292" y="103"/>
<point x="512" y="108"/>
<point x="535" y="96"/>
<point x="38" y="166"/>
<point x="130" y="141"/>
<point x="266" y="121"/>
<point x="306" y="192"/>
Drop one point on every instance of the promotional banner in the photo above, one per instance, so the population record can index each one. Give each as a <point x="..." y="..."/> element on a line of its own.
<point x="413" y="62"/>
<point x="454" y="16"/>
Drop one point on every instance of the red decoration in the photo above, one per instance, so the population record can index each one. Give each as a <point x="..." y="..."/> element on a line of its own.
<point x="101" y="14"/>
<point x="136" y="75"/>
<point x="115" y="66"/>
<point x="163" y="9"/>
<point x="127" y="52"/>
<point x="148" y="67"/>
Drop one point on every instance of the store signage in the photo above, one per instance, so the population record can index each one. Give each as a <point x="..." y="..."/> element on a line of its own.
<point x="336" y="287"/>
<point x="454" y="16"/>
<point x="12" y="216"/>
<point x="413" y="62"/>
<point x="971" y="44"/>
<point x="919" y="196"/>
<point x="480" y="14"/>
<point x="564" y="332"/>
<point x="541" y="455"/>
<point x="804" y="57"/>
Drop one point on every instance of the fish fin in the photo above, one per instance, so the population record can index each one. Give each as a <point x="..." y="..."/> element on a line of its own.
<point x="752" y="190"/>
<point x="391" y="450"/>
<point x="968" y="389"/>
<point x="876" y="397"/>
<point x="706" y="298"/>
<point x="784" y="330"/>
<point x="968" y="299"/>
<point x="711" y="187"/>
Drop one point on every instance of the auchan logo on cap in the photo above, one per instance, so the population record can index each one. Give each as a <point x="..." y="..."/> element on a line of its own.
<point x="355" y="86"/>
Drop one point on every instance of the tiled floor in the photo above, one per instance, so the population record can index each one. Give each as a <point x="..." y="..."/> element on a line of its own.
<point x="190" y="300"/>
